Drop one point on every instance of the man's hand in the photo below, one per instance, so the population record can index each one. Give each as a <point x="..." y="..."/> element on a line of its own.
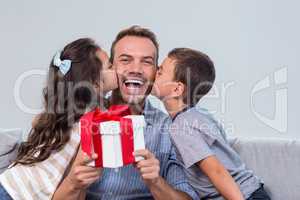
<point x="81" y="175"/>
<point x="78" y="179"/>
<point x="149" y="168"/>
<point x="159" y="188"/>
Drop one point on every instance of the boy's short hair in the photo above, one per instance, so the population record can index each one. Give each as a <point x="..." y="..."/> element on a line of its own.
<point x="195" y="70"/>
<point x="136" y="31"/>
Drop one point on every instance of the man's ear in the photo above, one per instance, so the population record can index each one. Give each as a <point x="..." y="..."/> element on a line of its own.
<point x="179" y="89"/>
<point x="96" y="85"/>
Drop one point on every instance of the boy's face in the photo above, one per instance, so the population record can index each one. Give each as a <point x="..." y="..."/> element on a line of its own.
<point x="164" y="85"/>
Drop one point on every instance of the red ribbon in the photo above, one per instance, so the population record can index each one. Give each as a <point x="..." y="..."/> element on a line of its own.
<point x="91" y="137"/>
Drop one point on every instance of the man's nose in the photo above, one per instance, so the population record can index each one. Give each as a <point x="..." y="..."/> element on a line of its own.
<point x="136" y="67"/>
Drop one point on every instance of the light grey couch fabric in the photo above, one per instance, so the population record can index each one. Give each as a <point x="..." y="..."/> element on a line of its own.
<point x="8" y="140"/>
<point x="276" y="161"/>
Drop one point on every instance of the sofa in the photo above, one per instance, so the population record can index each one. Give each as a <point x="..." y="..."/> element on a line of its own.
<point x="276" y="161"/>
<point x="9" y="141"/>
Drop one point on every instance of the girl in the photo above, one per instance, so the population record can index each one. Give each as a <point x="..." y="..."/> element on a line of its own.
<point x="78" y="76"/>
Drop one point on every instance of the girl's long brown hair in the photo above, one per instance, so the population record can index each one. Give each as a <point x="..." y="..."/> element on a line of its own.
<point x="66" y="98"/>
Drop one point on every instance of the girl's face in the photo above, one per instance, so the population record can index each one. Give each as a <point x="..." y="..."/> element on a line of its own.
<point x="108" y="74"/>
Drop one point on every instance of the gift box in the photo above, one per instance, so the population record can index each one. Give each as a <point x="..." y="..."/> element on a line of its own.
<point x="114" y="135"/>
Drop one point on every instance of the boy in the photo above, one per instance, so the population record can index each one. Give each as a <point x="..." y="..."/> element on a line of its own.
<point x="214" y="169"/>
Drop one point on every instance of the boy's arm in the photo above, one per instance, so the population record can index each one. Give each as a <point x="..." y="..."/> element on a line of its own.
<point x="220" y="178"/>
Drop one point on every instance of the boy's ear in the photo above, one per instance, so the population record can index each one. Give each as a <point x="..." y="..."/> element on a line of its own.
<point x="179" y="90"/>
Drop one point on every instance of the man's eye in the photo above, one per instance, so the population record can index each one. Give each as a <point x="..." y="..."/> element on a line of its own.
<point x="124" y="60"/>
<point x="148" y="62"/>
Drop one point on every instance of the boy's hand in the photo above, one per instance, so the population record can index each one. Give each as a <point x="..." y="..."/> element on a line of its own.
<point x="149" y="168"/>
<point x="81" y="175"/>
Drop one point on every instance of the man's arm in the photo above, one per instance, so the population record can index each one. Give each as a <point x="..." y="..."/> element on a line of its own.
<point x="220" y="178"/>
<point x="74" y="185"/>
<point x="159" y="188"/>
<point x="67" y="192"/>
<point x="162" y="190"/>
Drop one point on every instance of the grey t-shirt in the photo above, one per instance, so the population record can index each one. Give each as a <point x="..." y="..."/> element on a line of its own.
<point x="196" y="135"/>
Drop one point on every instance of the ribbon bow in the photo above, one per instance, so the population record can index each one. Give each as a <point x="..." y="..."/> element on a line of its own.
<point x="90" y="134"/>
<point x="63" y="65"/>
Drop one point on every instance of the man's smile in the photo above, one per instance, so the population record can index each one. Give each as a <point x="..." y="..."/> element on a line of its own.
<point x="134" y="85"/>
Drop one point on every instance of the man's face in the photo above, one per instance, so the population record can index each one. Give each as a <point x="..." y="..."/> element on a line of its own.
<point x="164" y="85"/>
<point x="135" y="63"/>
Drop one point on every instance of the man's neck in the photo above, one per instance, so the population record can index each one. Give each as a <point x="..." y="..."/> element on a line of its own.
<point x="174" y="106"/>
<point x="135" y="109"/>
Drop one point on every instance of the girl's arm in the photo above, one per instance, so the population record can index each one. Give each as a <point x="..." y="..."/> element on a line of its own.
<point x="220" y="178"/>
<point x="74" y="185"/>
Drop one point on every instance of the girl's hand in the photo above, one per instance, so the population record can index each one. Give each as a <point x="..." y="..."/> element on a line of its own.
<point x="81" y="175"/>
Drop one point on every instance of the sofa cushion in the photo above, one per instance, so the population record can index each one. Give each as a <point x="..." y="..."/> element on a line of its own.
<point x="10" y="140"/>
<point x="276" y="161"/>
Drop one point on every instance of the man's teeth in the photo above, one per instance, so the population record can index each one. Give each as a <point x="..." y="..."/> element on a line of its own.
<point x="135" y="82"/>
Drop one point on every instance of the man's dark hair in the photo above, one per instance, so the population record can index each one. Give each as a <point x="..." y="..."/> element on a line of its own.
<point x="136" y="31"/>
<point x="195" y="70"/>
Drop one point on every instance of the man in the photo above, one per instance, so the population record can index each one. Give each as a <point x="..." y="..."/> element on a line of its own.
<point x="134" y="54"/>
<point x="160" y="176"/>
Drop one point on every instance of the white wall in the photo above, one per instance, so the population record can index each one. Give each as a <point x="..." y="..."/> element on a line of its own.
<point x="248" y="40"/>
